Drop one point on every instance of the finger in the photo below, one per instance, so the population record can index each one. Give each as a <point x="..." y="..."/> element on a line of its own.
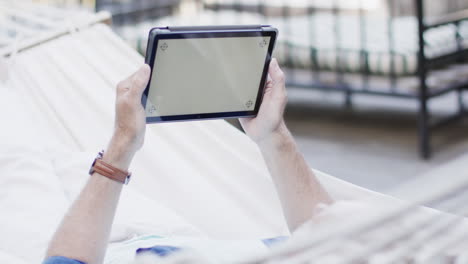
<point x="269" y="81"/>
<point x="278" y="78"/>
<point x="139" y="80"/>
<point x="269" y="78"/>
<point x="268" y="86"/>
<point x="123" y="86"/>
<point x="244" y="121"/>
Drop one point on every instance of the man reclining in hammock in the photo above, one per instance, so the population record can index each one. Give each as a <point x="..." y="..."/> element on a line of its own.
<point x="83" y="234"/>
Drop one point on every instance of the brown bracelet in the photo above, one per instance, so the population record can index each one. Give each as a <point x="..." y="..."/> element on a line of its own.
<point x="109" y="171"/>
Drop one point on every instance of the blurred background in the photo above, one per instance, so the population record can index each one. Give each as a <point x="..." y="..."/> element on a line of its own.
<point x="376" y="87"/>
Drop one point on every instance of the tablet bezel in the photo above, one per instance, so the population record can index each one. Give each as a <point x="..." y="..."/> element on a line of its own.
<point x="157" y="34"/>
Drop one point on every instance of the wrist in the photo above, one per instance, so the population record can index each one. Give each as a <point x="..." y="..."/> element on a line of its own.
<point x="119" y="153"/>
<point x="278" y="139"/>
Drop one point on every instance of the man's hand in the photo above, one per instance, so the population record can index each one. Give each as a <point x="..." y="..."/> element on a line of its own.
<point x="129" y="131"/>
<point x="298" y="189"/>
<point x="269" y="121"/>
<point x="84" y="232"/>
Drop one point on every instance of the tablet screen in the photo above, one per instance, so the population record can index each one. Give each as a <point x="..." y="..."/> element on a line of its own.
<point x="206" y="75"/>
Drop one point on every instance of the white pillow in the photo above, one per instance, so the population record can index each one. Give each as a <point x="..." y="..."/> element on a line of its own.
<point x="10" y="259"/>
<point x="38" y="187"/>
<point x="136" y="213"/>
<point x="31" y="199"/>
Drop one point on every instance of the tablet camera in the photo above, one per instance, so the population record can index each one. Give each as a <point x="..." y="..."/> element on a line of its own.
<point x="249" y="104"/>
<point x="164" y="46"/>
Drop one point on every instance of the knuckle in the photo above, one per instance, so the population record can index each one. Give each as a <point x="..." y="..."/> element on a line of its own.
<point x="120" y="85"/>
<point x="124" y="103"/>
<point x="281" y="76"/>
<point x="123" y="86"/>
<point x="137" y="81"/>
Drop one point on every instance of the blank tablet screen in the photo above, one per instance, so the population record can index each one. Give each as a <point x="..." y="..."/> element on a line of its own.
<point x="206" y="75"/>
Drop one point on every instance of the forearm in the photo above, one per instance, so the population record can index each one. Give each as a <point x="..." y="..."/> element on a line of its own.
<point x="84" y="231"/>
<point x="298" y="188"/>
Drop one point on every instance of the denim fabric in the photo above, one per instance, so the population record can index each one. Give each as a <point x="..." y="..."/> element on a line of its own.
<point x="273" y="241"/>
<point x="161" y="251"/>
<point x="61" y="260"/>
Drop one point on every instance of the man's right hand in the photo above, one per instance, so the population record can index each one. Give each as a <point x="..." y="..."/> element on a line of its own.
<point x="130" y="122"/>
<point x="269" y="122"/>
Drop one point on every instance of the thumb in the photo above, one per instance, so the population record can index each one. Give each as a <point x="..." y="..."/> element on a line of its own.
<point x="277" y="77"/>
<point x="140" y="80"/>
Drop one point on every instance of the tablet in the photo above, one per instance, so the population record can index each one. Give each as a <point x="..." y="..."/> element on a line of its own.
<point x="206" y="72"/>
